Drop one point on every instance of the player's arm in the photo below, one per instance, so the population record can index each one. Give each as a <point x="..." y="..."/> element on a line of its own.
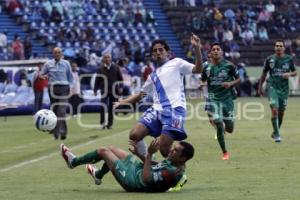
<point x="261" y="82"/>
<point x="130" y="100"/>
<point x="263" y="77"/>
<point x="293" y="71"/>
<point x="196" y="43"/>
<point x="147" y="170"/>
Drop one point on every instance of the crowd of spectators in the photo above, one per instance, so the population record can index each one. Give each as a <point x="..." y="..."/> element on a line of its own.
<point x="247" y="22"/>
<point x="74" y="26"/>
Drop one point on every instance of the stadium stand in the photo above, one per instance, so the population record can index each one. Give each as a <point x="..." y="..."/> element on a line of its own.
<point x="85" y="29"/>
<point x="282" y="23"/>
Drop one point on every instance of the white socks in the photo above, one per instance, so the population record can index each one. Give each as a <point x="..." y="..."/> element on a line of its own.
<point x="142" y="147"/>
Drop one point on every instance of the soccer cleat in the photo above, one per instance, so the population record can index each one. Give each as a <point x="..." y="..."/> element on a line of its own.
<point x="92" y="171"/>
<point x="225" y="156"/>
<point x="180" y="184"/>
<point x="67" y="155"/>
<point x="276" y="137"/>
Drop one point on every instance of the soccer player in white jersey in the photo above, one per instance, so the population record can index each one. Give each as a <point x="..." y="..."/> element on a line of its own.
<point x="166" y="118"/>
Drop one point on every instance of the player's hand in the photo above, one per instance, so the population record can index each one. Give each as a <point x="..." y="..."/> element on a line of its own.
<point x="286" y="75"/>
<point x="154" y="146"/>
<point x="116" y="104"/>
<point x="195" y="41"/>
<point x="226" y="85"/>
<point x="133" y="147"/>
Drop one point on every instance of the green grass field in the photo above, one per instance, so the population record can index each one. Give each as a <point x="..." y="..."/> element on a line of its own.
<point x="31" y="167"/>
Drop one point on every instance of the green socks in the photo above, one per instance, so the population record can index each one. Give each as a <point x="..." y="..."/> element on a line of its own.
<point x="88" y="158"/>
<point x="100" y="173"/>
<point x="280" y="119"/>
<point x="275" y="125"/>
<point x="220" y="135"/>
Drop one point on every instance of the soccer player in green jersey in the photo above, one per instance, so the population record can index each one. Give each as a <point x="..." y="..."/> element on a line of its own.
<point x="132" y="174"/>
<point x="280" y="67"/>
<point x="221" y="75"/>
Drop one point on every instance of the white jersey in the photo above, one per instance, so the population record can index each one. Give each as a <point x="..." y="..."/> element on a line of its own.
<point x="165" y="84"/>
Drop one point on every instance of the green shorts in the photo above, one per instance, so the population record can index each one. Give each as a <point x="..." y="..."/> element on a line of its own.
<point x="220" y="111"/>
<point x="276" y="100"/>
<point x="128" y="173"/>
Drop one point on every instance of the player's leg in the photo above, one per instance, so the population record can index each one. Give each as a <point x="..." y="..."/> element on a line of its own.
<point x="215" y="114"/>
<point x="228" y="118"/>
<point x="147" y="125"/>
<point x="165" y="144"/>
<point x="137" y="134"/>
<point x="274" y="104"/>
<point x="110" y="155"/>
<point x="173" y="129"/>
<point x="281" y="109"/>
<point x="208" y="108"/>
<point x="74" y="161"/>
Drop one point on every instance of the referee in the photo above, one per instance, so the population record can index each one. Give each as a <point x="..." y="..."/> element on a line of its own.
<point x="59" y="74"/>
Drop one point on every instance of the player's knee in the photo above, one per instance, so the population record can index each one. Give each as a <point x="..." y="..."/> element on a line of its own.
<point x="135" y="134"/>
<point x="274" y="111"/>
<point x="229" y="129"/>
<point x="218" y="123"/>
<point x="111" y="148"/>
<point x="102" y="151"/>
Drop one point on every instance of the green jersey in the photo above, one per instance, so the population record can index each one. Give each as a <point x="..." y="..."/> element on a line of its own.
<point x="276" y="68"/>
<point x="215" y="75"/>
<point x="129" y="172"/>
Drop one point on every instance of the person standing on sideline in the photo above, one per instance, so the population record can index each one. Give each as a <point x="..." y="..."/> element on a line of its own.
<point x="220" y="75"/>
<point x="109" y="81"/>
<point x="75" y="99"/>
<point x="166" y="117"/>
<point x="280" y="67"/>
<point x="60" y="78"/>
<point x="38" y="85"/>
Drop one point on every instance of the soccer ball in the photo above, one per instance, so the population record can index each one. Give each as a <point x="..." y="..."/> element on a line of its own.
<point x="45" y="120"/>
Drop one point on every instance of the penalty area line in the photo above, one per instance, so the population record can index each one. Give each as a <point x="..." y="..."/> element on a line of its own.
<point x="27" y="162"/>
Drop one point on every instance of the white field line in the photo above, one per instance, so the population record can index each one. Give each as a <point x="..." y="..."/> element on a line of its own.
<point x="27" y="162"/>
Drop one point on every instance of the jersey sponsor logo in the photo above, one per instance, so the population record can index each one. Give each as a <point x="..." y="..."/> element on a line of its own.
<point x="222" y="73"/>
<point x="285" y="66"/>
<point x="123" y="173"/>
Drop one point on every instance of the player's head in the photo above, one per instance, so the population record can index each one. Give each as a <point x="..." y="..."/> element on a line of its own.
<point x="181" y="152"/>
<point x="279" y="47"/>
<point x="216" y="51"/>
<point x="160" y="51"/>
<point x="57" y="53"/>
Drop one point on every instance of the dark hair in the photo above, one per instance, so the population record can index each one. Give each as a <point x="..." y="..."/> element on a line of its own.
<point x="215" y="44"/>
<point x="280" y="40"/>
<point x="162" y="42"/>
<point x="188" y="150"/>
